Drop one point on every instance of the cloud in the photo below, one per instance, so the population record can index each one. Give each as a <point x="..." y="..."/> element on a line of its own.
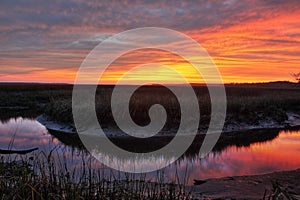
<point x="44" y="35"/>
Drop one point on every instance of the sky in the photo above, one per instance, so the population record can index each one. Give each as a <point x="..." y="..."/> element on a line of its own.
<point x="249" y="41"/>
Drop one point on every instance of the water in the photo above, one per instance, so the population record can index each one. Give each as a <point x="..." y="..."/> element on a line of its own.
<point x="280" y="152"/>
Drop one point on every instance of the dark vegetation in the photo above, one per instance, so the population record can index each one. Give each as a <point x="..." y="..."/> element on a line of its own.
<point x="47" y="176"/>
<point x="246" y="103"/>
<point x="296" y="76"/>
<point x="31" y="95"/>
<point x="29" y="100"/>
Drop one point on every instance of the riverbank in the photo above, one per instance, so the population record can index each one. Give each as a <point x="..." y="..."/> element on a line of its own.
<point x="292" y="121"/>
<point x="249" y="187"/>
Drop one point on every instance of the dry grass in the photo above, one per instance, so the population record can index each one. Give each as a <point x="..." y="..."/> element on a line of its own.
<point x="244" y="104"/>
<point x="49" y="176"/>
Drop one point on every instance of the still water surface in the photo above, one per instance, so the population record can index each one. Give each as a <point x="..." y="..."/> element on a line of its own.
<point x="280" y="153"/>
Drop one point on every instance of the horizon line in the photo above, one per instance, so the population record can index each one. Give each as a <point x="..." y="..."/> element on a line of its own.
<point x="154" y="84"/>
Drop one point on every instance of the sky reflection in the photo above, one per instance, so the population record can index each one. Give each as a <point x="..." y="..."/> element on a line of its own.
<point x="281" y="153"/>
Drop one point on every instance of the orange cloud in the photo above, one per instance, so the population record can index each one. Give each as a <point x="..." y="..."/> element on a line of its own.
<point x="48" y="76"/>
<point x="250" y="41"/>
<point x="255" y="51"/>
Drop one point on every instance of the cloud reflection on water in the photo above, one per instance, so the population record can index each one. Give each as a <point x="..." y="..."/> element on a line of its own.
<point x="281" y="153"/>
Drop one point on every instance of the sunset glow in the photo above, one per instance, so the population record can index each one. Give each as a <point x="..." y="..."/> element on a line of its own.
<point x="249" y="41"/>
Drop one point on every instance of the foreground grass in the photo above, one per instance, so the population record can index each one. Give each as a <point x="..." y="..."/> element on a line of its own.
<point x="49" y="176"/>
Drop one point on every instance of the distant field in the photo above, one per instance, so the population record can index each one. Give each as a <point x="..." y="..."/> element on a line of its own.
<point x="245" y="102"/>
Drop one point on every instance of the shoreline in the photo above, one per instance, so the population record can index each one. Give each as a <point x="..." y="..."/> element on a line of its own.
<point x="233" y="187"/>
<point x="293" y="122"/>
<point x="248" y="186"/>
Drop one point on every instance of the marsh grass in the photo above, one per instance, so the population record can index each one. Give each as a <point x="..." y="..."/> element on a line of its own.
<point x="50" y="176"/>
<point x="279" y="192"/>
<point x="249" y="105"/>
<point x="251" y="102"/>
<point x="31" y="95"/>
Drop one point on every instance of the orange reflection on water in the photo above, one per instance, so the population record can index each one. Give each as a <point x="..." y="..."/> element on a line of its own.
<point x="281" y="153"/>
<point x="284" y="150"/>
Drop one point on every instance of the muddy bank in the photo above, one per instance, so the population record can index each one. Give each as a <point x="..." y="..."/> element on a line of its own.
<point x="140" y="145"/>
<point x="248" y="187"/>
<point x="292" y="121"/>
<point x="53" y="125"/>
